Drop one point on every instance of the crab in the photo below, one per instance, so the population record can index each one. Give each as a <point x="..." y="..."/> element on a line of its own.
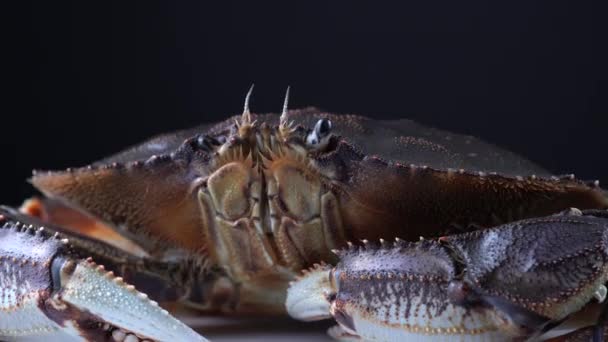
<point x="221" y="218"/>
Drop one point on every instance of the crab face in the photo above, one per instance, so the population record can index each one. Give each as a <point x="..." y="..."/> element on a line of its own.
<point x="286" y="191"/>
<point x="252" y="198"/>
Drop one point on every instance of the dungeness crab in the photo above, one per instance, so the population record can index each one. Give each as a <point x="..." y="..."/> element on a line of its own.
<point x="222" y="218"/>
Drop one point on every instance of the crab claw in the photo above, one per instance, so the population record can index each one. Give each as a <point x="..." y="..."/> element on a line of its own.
<point x="47" y="291"/>
<point x="87" y="289"/>
<point x="513" y="282"/>
<point x="307" y="297"/>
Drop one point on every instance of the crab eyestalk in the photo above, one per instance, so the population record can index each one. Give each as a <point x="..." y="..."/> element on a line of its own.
<point x="48" y="291"/>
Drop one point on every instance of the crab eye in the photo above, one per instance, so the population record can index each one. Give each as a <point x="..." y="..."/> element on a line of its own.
<point x="320" y="133"/>
<point x="207" y="142"/>
<point x="323" y="127"/>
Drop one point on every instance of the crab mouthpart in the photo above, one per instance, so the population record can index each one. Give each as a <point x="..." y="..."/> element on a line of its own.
<point x="307" y="297"/>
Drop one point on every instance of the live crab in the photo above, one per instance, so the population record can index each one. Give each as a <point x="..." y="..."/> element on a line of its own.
<point x="222" y="218"/>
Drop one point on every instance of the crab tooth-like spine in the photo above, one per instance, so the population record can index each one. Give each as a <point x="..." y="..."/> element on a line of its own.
<point x="397" y="242"/>
<point x="315" y="267"/>
<point x="137" y="164"/>
<point x="571" y="176"/>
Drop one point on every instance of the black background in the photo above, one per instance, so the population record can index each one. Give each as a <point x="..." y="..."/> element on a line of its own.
<point x="92" y="77"/>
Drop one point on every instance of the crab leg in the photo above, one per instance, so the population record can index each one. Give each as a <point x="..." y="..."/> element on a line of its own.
<point x="49" y="290"/>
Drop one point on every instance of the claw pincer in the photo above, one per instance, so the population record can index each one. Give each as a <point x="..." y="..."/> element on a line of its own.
<point x="49" y="290"/>
<point x="519" y="280"/>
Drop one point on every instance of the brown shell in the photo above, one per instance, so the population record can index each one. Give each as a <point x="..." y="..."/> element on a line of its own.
<point x="391" y="178"/>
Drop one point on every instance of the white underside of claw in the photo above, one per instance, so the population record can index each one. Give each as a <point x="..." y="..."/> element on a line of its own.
<point x="306" y="297"/>
<point x="91" y="289"/>
<point x="411" y="318"/>
<point x="370" y="331"/>
<point x="21" y="318"/>
<point x="24" y="320"/>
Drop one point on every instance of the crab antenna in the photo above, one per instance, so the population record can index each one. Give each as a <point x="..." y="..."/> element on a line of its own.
<point x="246" y="117"/>
<point x="283" y="118"/>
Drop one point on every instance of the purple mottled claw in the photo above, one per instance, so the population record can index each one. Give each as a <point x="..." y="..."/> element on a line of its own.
<point x="49" y="291"/>
<point x="519" y="280"/>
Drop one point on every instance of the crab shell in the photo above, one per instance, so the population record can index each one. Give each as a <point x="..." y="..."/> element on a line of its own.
<point x="260" y="201"/>
<point x="507" y="282"/>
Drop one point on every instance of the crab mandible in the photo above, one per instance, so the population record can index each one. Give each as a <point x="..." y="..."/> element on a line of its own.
<point x="222" y="217"/>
